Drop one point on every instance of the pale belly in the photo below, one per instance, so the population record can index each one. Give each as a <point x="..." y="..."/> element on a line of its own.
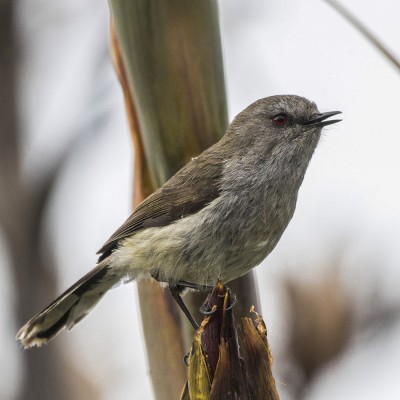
<point x="199" y="248"/>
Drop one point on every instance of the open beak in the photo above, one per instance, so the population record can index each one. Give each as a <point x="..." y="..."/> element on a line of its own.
<point x="319" y="119"/>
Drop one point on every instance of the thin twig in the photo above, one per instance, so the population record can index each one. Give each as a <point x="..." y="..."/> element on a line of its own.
<point x="365" y="31"/>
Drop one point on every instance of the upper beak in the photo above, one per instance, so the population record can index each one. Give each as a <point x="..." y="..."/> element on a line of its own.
<point x="319" y="119"/>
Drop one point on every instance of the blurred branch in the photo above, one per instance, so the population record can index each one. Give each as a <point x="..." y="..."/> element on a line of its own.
<point x="21" y="209"/>
<point x="23" y="206"/>
<point x="321" y="318"/>
<point x="352" y="19"/>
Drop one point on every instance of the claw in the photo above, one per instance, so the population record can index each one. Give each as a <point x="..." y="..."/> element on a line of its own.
<point x="204" y="309"/>
<point x="234" y="301"/>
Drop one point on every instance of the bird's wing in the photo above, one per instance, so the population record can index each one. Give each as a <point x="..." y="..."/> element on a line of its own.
<point x="188" y="191"/>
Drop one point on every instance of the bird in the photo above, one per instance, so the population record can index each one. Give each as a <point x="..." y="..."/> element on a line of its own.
<point x="218" y="217"/>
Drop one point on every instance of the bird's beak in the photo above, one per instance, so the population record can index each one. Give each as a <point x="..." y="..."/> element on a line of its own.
<point x="319" y="119"/>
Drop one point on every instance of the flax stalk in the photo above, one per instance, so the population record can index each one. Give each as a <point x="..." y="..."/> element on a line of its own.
<point x="168" y="56"/>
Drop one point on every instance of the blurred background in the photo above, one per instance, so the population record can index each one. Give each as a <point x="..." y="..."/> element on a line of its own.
<point x="329" y="291"/>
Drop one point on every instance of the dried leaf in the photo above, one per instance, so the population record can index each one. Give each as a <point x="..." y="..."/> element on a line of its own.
<point x="258" y="361"/>
<point x="199" y="380"/>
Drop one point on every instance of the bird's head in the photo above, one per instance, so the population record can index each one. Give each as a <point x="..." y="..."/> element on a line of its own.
<point x="287" y="121"/>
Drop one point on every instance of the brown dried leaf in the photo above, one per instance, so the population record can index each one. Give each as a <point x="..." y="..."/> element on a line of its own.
<point x="258" y="360"/>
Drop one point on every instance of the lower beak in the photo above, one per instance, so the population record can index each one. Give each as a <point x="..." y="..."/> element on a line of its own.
<point x="319" y="119"/>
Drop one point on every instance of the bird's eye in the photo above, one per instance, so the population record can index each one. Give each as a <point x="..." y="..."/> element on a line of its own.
<point x="280" y="119"/>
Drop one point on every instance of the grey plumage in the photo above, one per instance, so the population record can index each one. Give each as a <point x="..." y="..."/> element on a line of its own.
<point x="217" y="217"/>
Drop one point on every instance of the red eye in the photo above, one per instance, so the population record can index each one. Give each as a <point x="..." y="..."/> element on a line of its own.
<point x="280" y="119"/>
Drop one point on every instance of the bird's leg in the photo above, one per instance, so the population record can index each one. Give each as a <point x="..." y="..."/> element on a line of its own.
<point x="176" y="294"/>
<point x="176" y="290"/>
<point x="200" y="288"/>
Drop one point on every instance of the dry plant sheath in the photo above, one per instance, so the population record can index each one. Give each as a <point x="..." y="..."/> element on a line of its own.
<point x="229" y="360"/>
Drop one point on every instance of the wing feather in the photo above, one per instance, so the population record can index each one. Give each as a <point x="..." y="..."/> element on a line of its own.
<point x="189" y="190"/>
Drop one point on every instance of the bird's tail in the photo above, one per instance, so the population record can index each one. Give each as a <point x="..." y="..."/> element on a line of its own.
<point x="68" y="309"/>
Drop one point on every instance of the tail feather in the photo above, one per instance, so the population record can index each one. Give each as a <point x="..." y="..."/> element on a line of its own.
<point x="68" y="309"/>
